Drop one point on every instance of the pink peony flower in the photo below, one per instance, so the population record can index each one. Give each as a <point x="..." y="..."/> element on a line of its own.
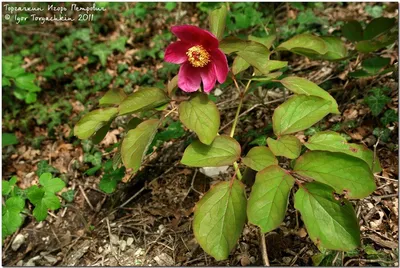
<point x="201" y="60"/>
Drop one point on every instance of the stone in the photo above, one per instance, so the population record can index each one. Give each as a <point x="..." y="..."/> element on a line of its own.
<point x="18" y="241"/>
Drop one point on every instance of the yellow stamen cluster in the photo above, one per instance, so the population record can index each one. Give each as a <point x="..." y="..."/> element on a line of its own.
<point x="198" y="56"/>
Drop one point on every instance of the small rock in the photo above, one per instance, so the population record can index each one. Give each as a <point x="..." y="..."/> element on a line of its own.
<point x="164" y="260"/>
<point x="213" y="171"/>
<point x="161" y="228"/>
<point x="18" y="241"/>
<point x="40" y="225"/>
<point x="139" y="252"/>
<point x="31" y="261"/>
<point x="286" y="260"/>
<point x="129" y="241"/>
<point x="252" y="259"/>
<point x="100" y="250"/>
<point x="20" y="263"/>
<point x="52" y="260"/>
<point x="114" y="239"/>
<point x="122" y="245"/>
<point x="218" y="92"/>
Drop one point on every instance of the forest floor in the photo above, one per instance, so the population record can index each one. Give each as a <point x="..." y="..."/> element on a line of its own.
<point x="147" y="220"/>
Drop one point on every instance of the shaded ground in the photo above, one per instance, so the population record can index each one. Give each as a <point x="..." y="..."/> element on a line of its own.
<point x="147" y="221"/>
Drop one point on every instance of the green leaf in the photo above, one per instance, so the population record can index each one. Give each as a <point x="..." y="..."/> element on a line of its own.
<point x="218" y="20"/>
<point x="254" y="53"/>
<point x="266" y="41"/>
<point x="346" y="174"/>
<point x="334" y="142"/>
<point x="359" y="74"/>
<point x="223" y="151"/>
<point x="144" y="99"/>
<point x="303" y="86"/>
<point x="8" y="139"/>
<point x="219" y="218"/>
<point x="368" y="46"/>
<point x="304" y="44"/>
<point x="5" y="187"/>
<point x="377" y="101"/>
<point x="336" y="48"/>
<point x="113" y="96"/>
<point x="375" y="65"/>
<point x="26" y="81"/>
<point x="389" y="116"/>
<point x="269" y="198"/>
<point x="5" y="82"/>
<point x="93" y="121"/>
<point x="202" y="116"/>
<point x="264" y="78"/>
<point x="43" y="167"/>
<point x="330" y="223"/>
<point x="287" y="146"/>
<point x="119" y="44"/>
<point x="382" y="133"/>
<point x="259" y="158"/>
<point x="135" y="144"/>
<point x="68" y="195"/>
<point x="50" y="184"/>
<point x="102" y="51"/>
<point x="353" y="31"/>
<point x="43" y="201"/>
<point x="30" y="97"/>
<point x="239" y="65"/>
<point x="109" y="181"/>
<point x="101" y="133"/>
<point x="170" y="6"/>
<point x="378" y="26"/>
<point x="11" y="215"/>
<point x="298" y="113"/>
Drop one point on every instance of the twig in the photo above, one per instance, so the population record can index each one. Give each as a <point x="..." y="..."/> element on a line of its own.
<point x="111" y="246"/>
<point x="364" y="260"/>
<point x="264" y="249"/>
<point x="192" y="185"/>
<point x="389" y="179"/>
<point x="334" y="260"/>
<point x="86" y="198"/>
<point x="375" y="145"/>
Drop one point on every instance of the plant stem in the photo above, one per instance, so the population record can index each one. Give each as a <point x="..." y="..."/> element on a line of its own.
<point x="235" y="121"/>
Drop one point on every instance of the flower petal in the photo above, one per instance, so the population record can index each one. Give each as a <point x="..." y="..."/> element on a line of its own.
<point x="220" y="63"/>
<point x="189" y="78"/>
<point x="195" y="36"/>
<point x="176" y="52"/>
<point x="208" y="76"/>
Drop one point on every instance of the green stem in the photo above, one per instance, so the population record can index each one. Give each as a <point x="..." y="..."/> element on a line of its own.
<point x="235" y="121"/>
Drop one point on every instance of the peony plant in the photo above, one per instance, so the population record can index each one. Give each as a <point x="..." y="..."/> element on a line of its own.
<point x="326" y="175"/>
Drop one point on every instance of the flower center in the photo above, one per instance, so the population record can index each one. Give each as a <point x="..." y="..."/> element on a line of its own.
<point x="198" y="56"/>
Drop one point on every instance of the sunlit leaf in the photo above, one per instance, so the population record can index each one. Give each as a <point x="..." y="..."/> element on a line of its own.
<point x="269" y="198"/>
<point x="298" y="113"/>
<point x="287" y="146"/>
<point x="346" y="174"/>
<point x="144" y="99"/>
<point x="219" y="218"/>
<point x="222" y="151"/>
<point x="259" y="158"/>
<point x="136" y="142"/>
<point x="202" y="116"/>
<point x="93" y="121"/>
<point x="330" y="223"/>
<point x="218" y="20"/>
<point x="334" y="142"/>
<point x="305" y="44"/>
<point x="303" y="86"/>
